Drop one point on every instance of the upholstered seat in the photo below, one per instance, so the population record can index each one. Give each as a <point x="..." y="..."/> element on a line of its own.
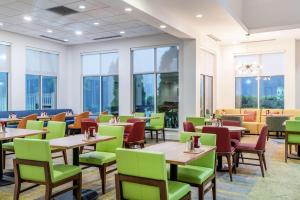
<point x="177" y="190"/>
<point x="194" y="174"/>
<point x="61" y="172"/>
<point x="97" y="158"/>
<point x="8" y="145"/>
<point x="245" y="147"/>
<point x="234" y="142"/>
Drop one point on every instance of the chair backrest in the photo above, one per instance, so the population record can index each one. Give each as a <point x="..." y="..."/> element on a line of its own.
<point x="78" y="118"/>
<point x="60" y="117"/>
<point x="131" y="120"/>
<point x="124" y="118"/>
<point x="105" y="118"/>
<point x="188" y="127"/>
<point x="139" y="114"/>
<point x="36" y="150"/>
<point x="231" y="123"/>
<point x="112" y="145"/>
<point x="293" y="126"/>
<point x="55" y="130"/>
<point x="185" y="136"/>
<point x="197" y="121"/>
<point x="297" y="118"/>
<point x="143" y="164"/>
<point x="23" y="122"/>
<point x="86" y="124"/>
<point x="158" y="119"/>
<point x="275" y="123"/>
<point x="262" y="139"/>
<point x="35" y="125"/>
<point x="137" y="132"/>
<point x="223" y="138"/>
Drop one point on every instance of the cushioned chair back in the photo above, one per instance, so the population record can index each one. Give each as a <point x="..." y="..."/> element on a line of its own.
<point x="223" y="138"/>
<point x="197" y="121"/>
<point x="33" y="149"/>
<point x="141" y="164"/>
<point x="137" y="132"/>
<point x="124" y="118"/>
<point x="104" y="118"/>
<point x="77" y="122"/>
<point x="112" y="145"/>
<point x="275" y="123"/>
<point x="35" y="125"/>
<point x="86" y="124"/>
<point x="188" y="127"/>
<point x="297" y="118"/>
<point x="55" y="130"/>
<point x="293" y="126"/>
<point x="139" y="114"/>
<point x="158" y="120"/>
<point x="231" y="123"/>
<point x="185" y="136"/>
<point x="131" y="120"/>
<point x="262" y="138"/>
<point x="23" y="122"/>
<point x="60" y="117"/>
<point x="232" y="118"/>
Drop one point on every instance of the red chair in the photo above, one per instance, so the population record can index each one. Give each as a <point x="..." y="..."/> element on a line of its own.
<point x="86" y="125"/>
<point x="188" y="127"/>
<point x="235" y="136"/>
<point x="128" y="128"/>
<point x="224" y="147"/>
<point x="136" y="136"/>
<point x="258" y="148"/>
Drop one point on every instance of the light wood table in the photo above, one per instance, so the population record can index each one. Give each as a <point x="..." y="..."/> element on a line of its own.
<point x="7" y="120"/>
<point x="230" y="128"/>
<point x="276" y="115"/>
<point x="145" y="118"/>
<point x="11" y="133"/>
<point x="237" y="114"/>
<point x="116" y="124"/>
<point x="175" y="154"/>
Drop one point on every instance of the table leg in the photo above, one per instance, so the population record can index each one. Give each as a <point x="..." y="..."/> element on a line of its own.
<point x="4" y="180"/>
<point x="298" y="150"/>
<point x="173" y="172"/>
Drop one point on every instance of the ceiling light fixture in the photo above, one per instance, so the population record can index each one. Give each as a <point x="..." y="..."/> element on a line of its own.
<point x="66" y="40"/>
<point x="199" y="16"/>
<point x="122" y="32"/>
<point x="96" y="23"/>
<point x="163" y="26"/>
<point x="1" y="24"/>
<point x="78" y="32"/>
<point x="49" y="31"/>
<point x="81" y="6"/>
<point x="128" y="9"/>
<point x="27" y="18"/>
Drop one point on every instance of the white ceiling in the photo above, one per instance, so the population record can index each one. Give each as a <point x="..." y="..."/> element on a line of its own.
<point x="111" y="20"/>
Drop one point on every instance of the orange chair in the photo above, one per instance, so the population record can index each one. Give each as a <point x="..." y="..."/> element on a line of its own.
<point x="23" y="122"/>
<point x="60" y="117"/>
<point x="76" y="127"/>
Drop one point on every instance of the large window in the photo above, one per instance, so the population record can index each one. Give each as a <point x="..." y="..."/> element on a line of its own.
<point x="100" y="82"/>
<point x="41" y="79"/>
<point x="155" y="82"/>
<point x="263" y="89"/>
<point x="206" y="95"/>
<point x="4" y="69"/>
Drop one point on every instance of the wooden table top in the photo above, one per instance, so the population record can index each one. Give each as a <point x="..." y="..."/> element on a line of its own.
<point x="230" y="128"/>
<point x="75" y="141"/>
<point x="145" y="118"/>
<point x="9" y="119"/>
<point x="237" y="114"/>
<point x="19" y="133"/>
<point x="277" y="115"/>
<point x="116" y="124"/>
<point x="175" y="152"/>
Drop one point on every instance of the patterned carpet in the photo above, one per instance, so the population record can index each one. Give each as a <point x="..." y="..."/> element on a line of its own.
<point x="281" y="180"/>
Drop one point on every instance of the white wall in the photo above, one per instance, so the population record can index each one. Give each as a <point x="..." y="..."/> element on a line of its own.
<point x="226" y="69"/>
<point x="17" y="71"/>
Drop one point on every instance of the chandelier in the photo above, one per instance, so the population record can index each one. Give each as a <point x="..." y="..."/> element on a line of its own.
<point x="248" y="68"/>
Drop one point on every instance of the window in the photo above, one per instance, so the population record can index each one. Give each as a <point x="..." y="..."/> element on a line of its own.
<point x="265" y="89"/>
<point x="206" y="95"/>
<point x="100" y="82"/>
<point x="155" y="82"/>
<point x="4" y="69"/>
<point x="41" y="79"/>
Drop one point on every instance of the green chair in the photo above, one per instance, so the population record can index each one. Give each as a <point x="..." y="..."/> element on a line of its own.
<point x="292" y="136"/>
<point x="105" y="154"/>
<point x="9" y="146"/>
<point x="185" y="136"/>
<point x="275" y="124"/>
<point x="104" y="118"/>
<point x="142" y="175"/>
<point x="197" y="121"/>
<point x="200" y="172"/>
<point x="157" y="123"/>
<point x="34" y="164"/>
<point x="297" y="118"/>
<point x="139" y="114"/>
<point x="124" y="118"/>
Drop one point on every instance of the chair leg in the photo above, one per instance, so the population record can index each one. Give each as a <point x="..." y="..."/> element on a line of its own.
<point x="214" y="189"/>
<point x="102" y="170"/>
<point x="291" y="147"/>
<point x="286" y="146"/>
<point x="151" y="134"/>
<point x="156" y="136"/>
<point x="48" y="192"/>
<point x="229" y="166"/>
<point x="264" y="160"/>
<point x="242" y="157"/>
<point x="3" y="159"/>
<point x="164" y="136"/>
<point x="261" y="163"/>
<point x="64" y="152"/>
<point x="17" y="190"/>
<point x="268" y="135"/>
<point x="201" y="192"/>
<point x="79" y="187"/>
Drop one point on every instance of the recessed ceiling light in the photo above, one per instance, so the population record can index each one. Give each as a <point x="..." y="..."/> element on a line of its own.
<point x="96" y="23"/>
<point x="78" y="32"/>
<point x="66" y="40"/>
<point x="1" y="24"/>
<point x="49" y="31"/>
<point x="122" y="32"/>
<point x="162" y="26"/>
<point x="128" y="9"/>
<point x="81" y="6"/>
<point x="27" y="18"/>
<point x="199" y="16"/>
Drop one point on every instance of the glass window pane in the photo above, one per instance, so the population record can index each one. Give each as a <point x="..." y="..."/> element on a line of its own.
<point x="143" y="61"/>
<point x="167" y="97"/>
<point x="273" y="64"/>
<point x="110" y="94"/>
<point x="144" y="93"/>
<point x="202" y="107"/>
<point x="4" y="58"/>
<point x="33" y="88"/>
<point x="208" y="95"/>
<point x="49" y="92"/>
<point x="246" y="92"/>
<point x="91" y="94"/>
<point x="109" y="63"/>
<point x="91" y="64"/>
<point x="3" y="92"/>
<point x="33" y="62"/>
<point x="167" y="59"/>
<point x="272" y="92"/>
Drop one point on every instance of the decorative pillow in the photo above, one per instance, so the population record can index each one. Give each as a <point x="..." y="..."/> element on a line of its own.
<point x="250" y="117"/>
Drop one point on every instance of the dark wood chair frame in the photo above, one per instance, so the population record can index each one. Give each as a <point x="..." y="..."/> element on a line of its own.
<point x="287" y="145"/>
<point x="77" y="180"/>
<point x="140" y="143"/>
<point x="157" y="133"/>
<point x="231" y="161"/>
<point x="161" y="184"/>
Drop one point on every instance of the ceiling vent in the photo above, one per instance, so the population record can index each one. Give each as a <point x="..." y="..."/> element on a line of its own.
<point x="51" y="38"/>
<point x="255" y="41"/>
<point x="214" y="38"/>
<point x="62" y="10"/>
<point x="108" y="37"/>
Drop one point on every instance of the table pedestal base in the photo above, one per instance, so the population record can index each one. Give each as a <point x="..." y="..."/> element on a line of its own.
<point x="6" y="180"/>
<point x="86" y="194"/>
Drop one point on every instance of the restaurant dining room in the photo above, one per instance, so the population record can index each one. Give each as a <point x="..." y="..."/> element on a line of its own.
<point x="149" y="100"/>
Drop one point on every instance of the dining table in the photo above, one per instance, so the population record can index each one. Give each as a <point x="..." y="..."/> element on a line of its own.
<point x="176" y="154"/>
<point x="115" y="124"/>
<point x="11" y="133"/>
<point x="230" y="128"/>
